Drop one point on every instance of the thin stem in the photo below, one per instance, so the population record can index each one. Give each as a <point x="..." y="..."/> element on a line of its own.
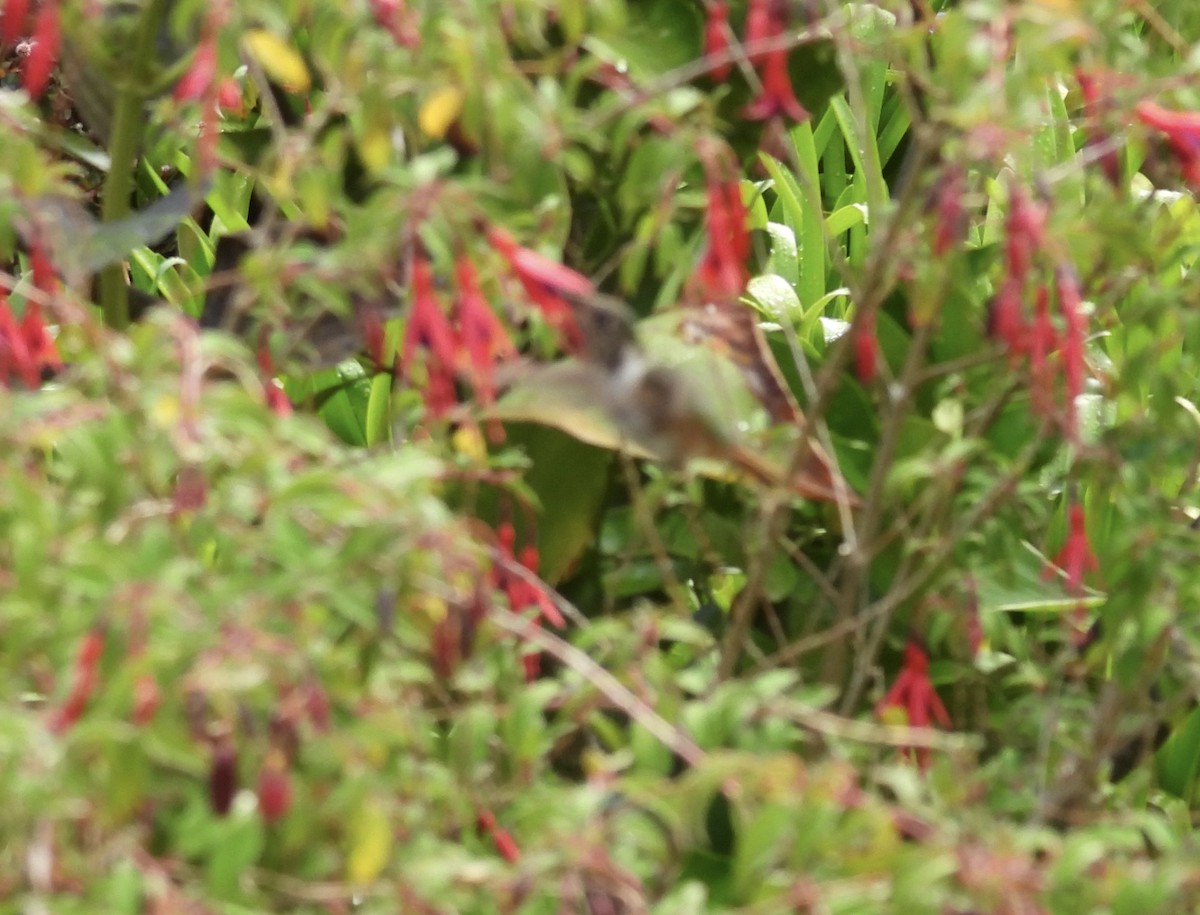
<point x="124" y="146"/>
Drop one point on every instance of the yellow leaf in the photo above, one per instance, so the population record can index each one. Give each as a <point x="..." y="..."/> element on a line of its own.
<point x="440" y="111"/>
<point x="279" y="60"/>
<point x="370" y="843"/>
<point x="469" y="442"/>
<point x="375" y="145"/>
<point x="165" y="411"/>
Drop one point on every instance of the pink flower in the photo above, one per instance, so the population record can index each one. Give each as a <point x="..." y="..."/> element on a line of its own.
<point x="1182" y="130"/>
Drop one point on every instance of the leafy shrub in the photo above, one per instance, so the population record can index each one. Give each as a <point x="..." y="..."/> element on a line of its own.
<point x="608" y="457"/>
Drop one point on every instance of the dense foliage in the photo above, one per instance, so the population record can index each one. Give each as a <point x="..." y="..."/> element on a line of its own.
<point x="599" y="456"/>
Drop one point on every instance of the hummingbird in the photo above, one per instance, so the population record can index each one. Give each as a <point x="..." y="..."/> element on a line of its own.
<point x="661" y="411"/>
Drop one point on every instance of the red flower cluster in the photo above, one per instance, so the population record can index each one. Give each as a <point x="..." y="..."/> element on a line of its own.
<point x="429" y="329"/>
<point x="471" y="347"/>
<point x="26" y="346"/>
<point x="45" y="39"/>
<point x="913" y="693"/>
<point x="1182" y="130"/>
<point x="485" y="342"/>
<point x="547" y="283"/>
<point x="1044" y="334"/>
<point x="523" y="591"/>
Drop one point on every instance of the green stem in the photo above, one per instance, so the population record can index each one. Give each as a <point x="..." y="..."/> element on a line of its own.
<point x="125" y="142"/>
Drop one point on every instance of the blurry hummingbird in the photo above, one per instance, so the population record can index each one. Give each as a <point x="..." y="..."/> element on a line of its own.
<point x="659" y="409"/>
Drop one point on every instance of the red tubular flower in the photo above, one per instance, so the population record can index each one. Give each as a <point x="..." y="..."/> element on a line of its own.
<point x="485" y="822"/>
<point x="484" y="338"/>
<point x="197" y="80"/>
<point x="1025" y="232"/>
<point x="866" y="350"/>
<point x="273" y="392"/>
<point x="722" y="273"/>
<point x="523" y="591"/>
<point x="45" y="277"/>
<point x="274" y="787"/>
<point x="1043" y="340"/>
<point x="85" y="677"/>
<point x="399" y="20"/>
<point x="761" y="25"/>
<point x="546" y="282"/>
<point x="767" y="20"/>
<point x="536" y="595"/>
<point x="1097" y="100"/>
<point x="222" y="775"/>
<point x="229" y="97"/>
<point x="716" y="39"/>
<point x="972" y="621"/>
<point x="913" y="693"/>
<point x="12" y="21"/>
<point x="277" y="399"/>
<point x="42" y="348"/>
<point x="1076" y="556"/>
<point x="777" y="98"/>
<point x="15" y="357"/>
<point x="146" y="698"/>
<point x="1074" y="339"/>
<point x="1182" y="130"/>
<point x="1006" y="319"/>
<point x="951" y="217"/>
<point x="47" y="34"/>
<point x="430" y="330"/>
<point x="27" y="348"/>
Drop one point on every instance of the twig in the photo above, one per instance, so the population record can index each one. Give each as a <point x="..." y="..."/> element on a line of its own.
<point x="671" y="736"/>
